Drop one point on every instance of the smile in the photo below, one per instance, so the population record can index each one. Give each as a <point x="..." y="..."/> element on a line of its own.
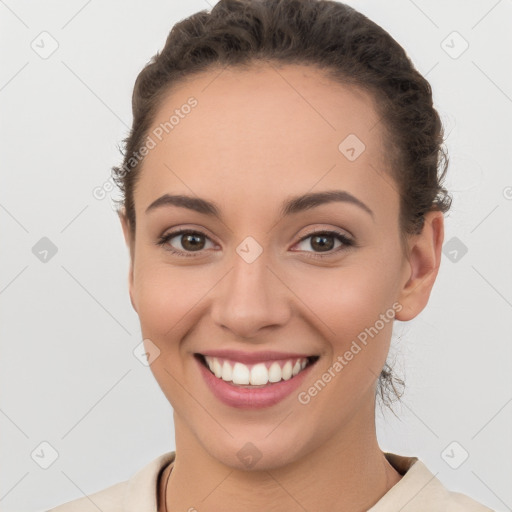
<point x="255" y="375"/>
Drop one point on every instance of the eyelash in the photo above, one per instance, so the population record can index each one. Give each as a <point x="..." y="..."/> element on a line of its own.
<point x="347" y="242"/>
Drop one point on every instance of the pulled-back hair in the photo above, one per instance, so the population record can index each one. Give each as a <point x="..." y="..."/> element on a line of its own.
<point x="328" y="35"/>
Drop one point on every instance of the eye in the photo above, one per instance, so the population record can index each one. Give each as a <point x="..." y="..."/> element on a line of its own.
<point x="191" y="241"/>
<point x="194" y="242"/>
<point x="324" y="241"/>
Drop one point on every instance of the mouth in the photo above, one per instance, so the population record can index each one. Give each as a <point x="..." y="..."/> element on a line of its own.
<point x="259" y="375"/>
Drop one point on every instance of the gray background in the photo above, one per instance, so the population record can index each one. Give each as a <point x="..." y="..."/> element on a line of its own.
<point x="68" y="373"/>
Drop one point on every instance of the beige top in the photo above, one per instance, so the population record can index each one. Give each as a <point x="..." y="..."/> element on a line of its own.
<point x="417" y="491"/>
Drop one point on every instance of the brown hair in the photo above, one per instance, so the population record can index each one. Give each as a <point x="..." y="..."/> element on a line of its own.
<point x="329" y="35"/>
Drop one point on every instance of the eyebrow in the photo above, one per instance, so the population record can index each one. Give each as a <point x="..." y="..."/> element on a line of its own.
<point x="291" y="206"/>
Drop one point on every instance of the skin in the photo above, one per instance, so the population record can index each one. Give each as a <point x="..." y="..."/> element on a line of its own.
<point x="257" y="137"/>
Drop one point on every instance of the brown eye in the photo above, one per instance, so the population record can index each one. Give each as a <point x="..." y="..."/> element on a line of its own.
<point x="325" y="241"/>
<point x="322" y="242"/>
<point x="191" y="242"/>
<point x="184" y="241"/>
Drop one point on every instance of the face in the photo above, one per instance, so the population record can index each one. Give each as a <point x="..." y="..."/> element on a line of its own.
<point x="267" y="282"/>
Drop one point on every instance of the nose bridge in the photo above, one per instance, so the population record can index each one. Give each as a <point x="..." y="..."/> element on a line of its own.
<point x="250" y="297"/>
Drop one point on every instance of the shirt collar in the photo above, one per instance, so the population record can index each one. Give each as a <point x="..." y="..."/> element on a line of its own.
<point x="418" y="490"/>
<point x="142" y="489"/>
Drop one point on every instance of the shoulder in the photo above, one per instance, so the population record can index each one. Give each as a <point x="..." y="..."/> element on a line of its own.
<point x="109" y="499"/>
<point x="419" y="490"/>
<point x="136" y="494"/>
<point x="459" y="502"/>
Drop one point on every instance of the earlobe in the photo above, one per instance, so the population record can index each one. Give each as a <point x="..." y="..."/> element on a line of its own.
<point x="129" y="243"/>
<point x="423" y="266"/>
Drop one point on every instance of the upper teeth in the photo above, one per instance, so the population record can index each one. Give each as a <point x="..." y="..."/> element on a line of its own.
<point x="256" y="375"/>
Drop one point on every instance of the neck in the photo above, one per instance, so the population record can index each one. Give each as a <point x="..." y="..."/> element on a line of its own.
<point x="347" y="472"/>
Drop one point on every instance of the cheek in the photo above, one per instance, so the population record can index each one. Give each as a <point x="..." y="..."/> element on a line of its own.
<point x="349" y="299"/>
<point x="165" y="295"/>
<point x="168" y="301"/>
<point x="355" y="306"/>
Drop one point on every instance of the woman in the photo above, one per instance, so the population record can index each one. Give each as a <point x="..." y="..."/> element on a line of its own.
<point x="283" y="205"/>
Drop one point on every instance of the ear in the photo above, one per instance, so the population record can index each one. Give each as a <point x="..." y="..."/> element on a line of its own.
<point x="130" y="242"/>
<point x="423" y="265"/>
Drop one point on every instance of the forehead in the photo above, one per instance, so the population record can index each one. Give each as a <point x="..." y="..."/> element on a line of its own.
<point x="267" y="129"/>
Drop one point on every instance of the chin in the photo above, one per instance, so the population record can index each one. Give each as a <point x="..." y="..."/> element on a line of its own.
<point x="248" y="452"/>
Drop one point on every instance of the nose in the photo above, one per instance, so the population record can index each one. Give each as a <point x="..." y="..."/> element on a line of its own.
<point x="252" y="298"/>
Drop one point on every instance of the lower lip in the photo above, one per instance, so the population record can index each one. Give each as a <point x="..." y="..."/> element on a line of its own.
<point x="251" y="398"/>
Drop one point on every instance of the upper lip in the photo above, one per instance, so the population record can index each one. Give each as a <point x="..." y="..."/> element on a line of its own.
<point x="253" y="357"/>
